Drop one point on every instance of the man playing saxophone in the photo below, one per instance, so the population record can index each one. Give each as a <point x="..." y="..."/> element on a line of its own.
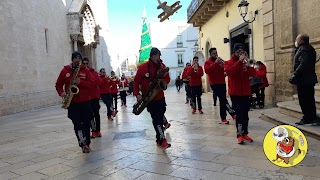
<point x="146" y="73"/>
<point x="79" y="110"/>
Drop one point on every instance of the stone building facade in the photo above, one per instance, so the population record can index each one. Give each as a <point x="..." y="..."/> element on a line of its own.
<point x="37" y="38"/>
<point x="283" y="21"/>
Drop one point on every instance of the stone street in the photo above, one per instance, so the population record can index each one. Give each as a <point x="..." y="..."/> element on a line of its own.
<point x="41" y="144"/>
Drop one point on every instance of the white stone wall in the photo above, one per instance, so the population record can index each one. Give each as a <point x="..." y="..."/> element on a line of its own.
<point x="28" y="71"/>
<point x="100" y="11"/>
<point x="164" y="37"/>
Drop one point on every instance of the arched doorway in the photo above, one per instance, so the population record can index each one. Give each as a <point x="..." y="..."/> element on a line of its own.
<point x="208" y="46"/>
<point x="83" y="30"/>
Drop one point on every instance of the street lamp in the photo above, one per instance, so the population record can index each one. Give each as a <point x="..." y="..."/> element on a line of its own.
<point x="196" y="47"/>
<point x="243" y="10"/>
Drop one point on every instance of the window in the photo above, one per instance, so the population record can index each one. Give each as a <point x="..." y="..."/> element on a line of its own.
<point x="180" y="60"/>
<point x="179" y="41"/>
<point x="46" y="38"/>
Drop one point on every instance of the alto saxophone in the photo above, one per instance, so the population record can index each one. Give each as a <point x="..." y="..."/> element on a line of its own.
<point x="157" y="85"/>
<point x="72" y="90"/>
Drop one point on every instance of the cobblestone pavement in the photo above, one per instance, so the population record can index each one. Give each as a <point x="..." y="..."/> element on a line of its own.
<point x="41" y="144"/>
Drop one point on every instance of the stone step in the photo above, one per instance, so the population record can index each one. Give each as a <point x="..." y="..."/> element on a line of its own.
<point x="274" y="116"/>
<point x="290" y="108"/>
<point x="317" y="98"/>
<point x="317" y="91"/>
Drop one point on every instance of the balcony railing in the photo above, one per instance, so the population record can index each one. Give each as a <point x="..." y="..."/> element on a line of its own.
<point x="180" y="64"/>
<point x="193" y="7"/>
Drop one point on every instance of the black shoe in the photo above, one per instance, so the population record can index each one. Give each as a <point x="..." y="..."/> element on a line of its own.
<point x="303" y="122"/>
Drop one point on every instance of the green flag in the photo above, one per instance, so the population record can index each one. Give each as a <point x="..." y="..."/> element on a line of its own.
<point x="145" y="45"/>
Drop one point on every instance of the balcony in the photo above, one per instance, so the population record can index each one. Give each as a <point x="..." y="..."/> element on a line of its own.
<point x="200" y="11"/>
<point x="179" y="44"/>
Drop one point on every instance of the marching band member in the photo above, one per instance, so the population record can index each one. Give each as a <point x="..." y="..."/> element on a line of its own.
<point x="79" y="110"/>
<point x="157" y="107"/>
<point x="95" y="104"/>
<point x="114" y="92"/>
<point x="105" y="92"/>
<point x="123" y="88"/>
<point x="239" y="72"/>
<point x="195" y="72"/>
<point x="214" y="67"/>
<point x="186" y="80"/>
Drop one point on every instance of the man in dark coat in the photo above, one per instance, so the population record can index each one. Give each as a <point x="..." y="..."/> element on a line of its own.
<point x="304" y="77"/>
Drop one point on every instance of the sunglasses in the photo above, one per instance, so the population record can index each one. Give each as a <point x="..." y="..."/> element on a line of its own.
<point x="85" y="63"/>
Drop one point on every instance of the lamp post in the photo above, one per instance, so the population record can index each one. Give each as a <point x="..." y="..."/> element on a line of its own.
<point x="243" y="10"/>
<point x="196" y="48"/>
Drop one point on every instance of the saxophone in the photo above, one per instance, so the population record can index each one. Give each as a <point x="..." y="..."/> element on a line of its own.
<point x="72" y="90"/>
<point x="156" y="85"/>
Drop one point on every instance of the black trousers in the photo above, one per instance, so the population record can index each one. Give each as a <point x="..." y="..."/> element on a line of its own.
<point x="107" y="100"/>
<point x="220" y="91"/>
<point x="307" y="102"/>
<point x="261" y="96"/>
<point x="215" y="97"/>
<point x="188" y="91"/>
<point x="123" y="96"/>
<point x="178" y="86"/>
<point x="196" y="93"/>
<point x="241" y="105"/>
<point x="157" y="109"/>
<point x="80" y="114"/>
<point x="115" y="101"/>
<point x="95" y="115"/>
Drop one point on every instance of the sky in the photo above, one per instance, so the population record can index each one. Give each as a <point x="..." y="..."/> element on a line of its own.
<point x="125" y="21"/>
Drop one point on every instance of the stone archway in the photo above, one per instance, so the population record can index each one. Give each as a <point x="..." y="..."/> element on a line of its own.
<point x="83" y="30"/>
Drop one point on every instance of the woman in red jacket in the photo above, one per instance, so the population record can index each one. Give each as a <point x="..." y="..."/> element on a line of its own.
<point x="195" y="72"/>
<point x="95" y="98"/>
<point x="123" y="88"/>
<point x="261" y="71"/>
<point x="105" y="92"/>
<point x="239" y="72"/>
<point x="114" y="92"/>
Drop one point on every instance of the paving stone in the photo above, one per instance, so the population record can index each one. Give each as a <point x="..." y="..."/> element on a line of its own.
<point x="25" y="157"/>
<point x="115" y="166"/>
<point x="16" y="166"/>
<point x="157" y="177"/>
<point x="199" y="164"/>
<point x="191" y="173"/>
<point x="126" y="173"/>
<point x="38" y="166"/>
<point x="246" y="162"/>
<point x="55" y="170"/>
<point x="8" y="175"/>
<point x="31" y="176"/>
<point x="155" y="167"/>
<point x="87" y="176"/>
<point x="260" y="174"/>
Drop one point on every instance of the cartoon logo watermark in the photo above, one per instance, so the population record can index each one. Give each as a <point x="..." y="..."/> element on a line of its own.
<point x="285" y="146"/>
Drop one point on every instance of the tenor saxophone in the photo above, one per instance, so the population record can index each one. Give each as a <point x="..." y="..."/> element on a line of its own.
<point x="157" y="85"/>
<point x="72" y="90"/>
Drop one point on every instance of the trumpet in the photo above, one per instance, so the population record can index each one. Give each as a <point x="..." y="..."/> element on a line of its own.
<point x="195" y="67"/>
<point x="220" y="61"/>
<point x="113" y="77"/>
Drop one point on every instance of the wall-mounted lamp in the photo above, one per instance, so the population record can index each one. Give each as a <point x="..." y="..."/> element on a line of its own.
<point x="196" y="47"/>
<point x="243" y="10"/>
<point x="226" y="40"/>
